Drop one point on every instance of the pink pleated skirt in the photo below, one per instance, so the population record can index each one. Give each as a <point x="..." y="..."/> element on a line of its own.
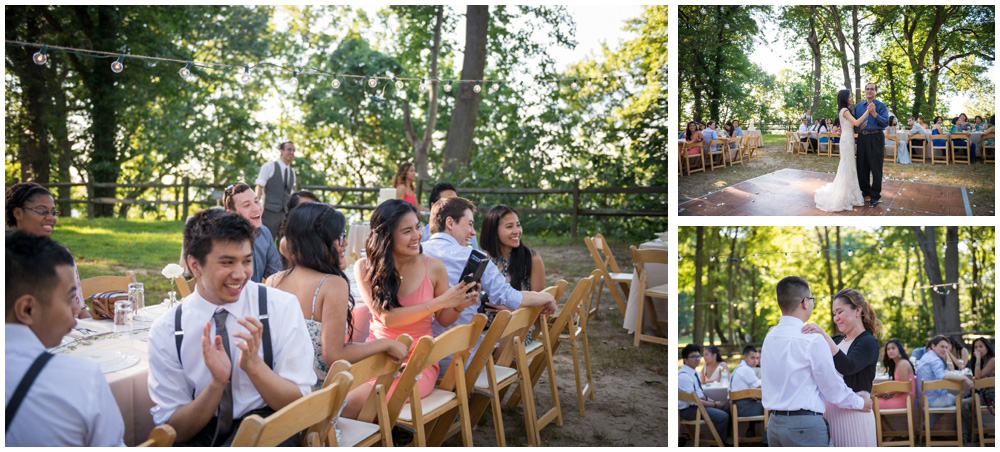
<point x="850" y="428"/>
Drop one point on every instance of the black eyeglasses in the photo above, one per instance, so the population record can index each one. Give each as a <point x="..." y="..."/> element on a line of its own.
<point x="811" y="298"/>
<point x="44" y="212"/>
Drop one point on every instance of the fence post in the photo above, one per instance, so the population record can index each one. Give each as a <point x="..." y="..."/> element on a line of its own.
<point x="187" y="183"/>
<point x="576" y="206"/>
<point x="90" y="199"/>
<point x="420" y="189"/>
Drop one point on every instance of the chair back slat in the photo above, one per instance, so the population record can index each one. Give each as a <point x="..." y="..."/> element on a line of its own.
<point x="99" y="284"/>
<point x="891" y="386"/>
<point x="308" y="411"/>
<point x="163" y="435"/>
<point x="482" y="357"/>
<point x="985" y="382"/>
<point x="752" y="393"/>
<point x="941" y="384"/>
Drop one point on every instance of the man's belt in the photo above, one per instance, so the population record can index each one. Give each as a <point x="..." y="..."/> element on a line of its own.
<point x="869" y="132"/>
<point x="795" y="413"/>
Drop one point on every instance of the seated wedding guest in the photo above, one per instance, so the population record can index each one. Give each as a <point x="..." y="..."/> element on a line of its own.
<point x="981" y="363"/>
<point x="979" y="125"/>
<point x="394" y="266"/>
<point x="689" y="381"/>
<point x="31" y="208"/>
<point x="836" y="130"/>
<point x="315" y="239"/>
<point x="300" y="197"/>
<point x="898" y="366"/>
<point x="199" y="383"/>
<point x="962" y="122"/>
<point x="803" y="132"/>
<point x="745" y="378"/>
<point x="692" y="135"/>
<point x="902" y="153"/>
<point x="403" y="182"/>
<point x="736" y="132"/>
<point x="958" y="355"/>
<point x="709" y="134"/>
<point x="52" y="400"/>
<point x="440" y="191"/>
<point x="961" y="125"/>
<point x="931" y="367"/>
<point x="937" y="129"/>
<point x="452" y="224"/>
<point x="240" y="199"/>
<point x="522" y="267"/>
<point x="919" y="352"/>
<point x="714" y="365"/>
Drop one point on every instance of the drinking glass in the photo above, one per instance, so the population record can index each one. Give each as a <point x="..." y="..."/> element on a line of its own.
<point x="136" y="294"/>
<point x="123" y="317"/>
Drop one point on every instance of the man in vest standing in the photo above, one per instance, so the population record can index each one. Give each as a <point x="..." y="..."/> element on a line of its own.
<point x="275" y="183"/>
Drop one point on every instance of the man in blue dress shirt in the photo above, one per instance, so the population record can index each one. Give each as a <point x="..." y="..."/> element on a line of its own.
<point x="871" y="144"/>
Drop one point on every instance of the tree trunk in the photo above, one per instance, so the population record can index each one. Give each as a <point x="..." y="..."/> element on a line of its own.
<point x="717" y="79"/>
<point x="944" y="305"/>
<point x="840" y="281"/>
<point x="856" y="40"/>
<point x="698" y="335"/>
<point x="731" y="289"/>
<point x="824" y="242"/>
<point x="458" y="148"/>
<point x="936" y="54"/>
<point x="814" y="42"/>
<point x="834" y="31"/>
<point x="696" y="92"/>
<point x="34" y="146"/>
<point x="104" y="104"/>
<point x="892" y="89"/>
<point x="422" y="146"/>
<point x="906" y="276"/>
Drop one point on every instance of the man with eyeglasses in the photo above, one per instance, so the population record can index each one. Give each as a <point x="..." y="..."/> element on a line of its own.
<point x="275" y="183"/>
<point x="688" y="381"/>
<point x="239" y="199"/>
<point x="797" y="374"/>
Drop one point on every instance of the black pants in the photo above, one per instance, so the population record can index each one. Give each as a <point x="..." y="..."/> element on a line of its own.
<point x="871" y="149"/>
<point x="204" y="437"/>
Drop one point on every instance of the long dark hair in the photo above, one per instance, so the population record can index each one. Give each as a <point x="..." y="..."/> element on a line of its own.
<point x="310" y="232"/>
<point x="842" y="99"/>
<point x="729" y="128"/>
<point x="715" y="351"/>
<point x="986" y="359"/>
<point x="18" y="195"/>
<point x="519" y="266"/>
<point x="956" y="346"/>
<point x="382" y="276"/>
<point x="401" y="174"/>
<point x="889" y="363"/>
<point x="822" y="125"/>
<point x="687" y="131"/>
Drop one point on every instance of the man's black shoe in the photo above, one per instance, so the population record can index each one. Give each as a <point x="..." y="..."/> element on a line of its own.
<point x="873" y="203"/>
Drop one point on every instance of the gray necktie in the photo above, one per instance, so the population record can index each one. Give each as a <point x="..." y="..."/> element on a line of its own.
<point x="287" y="180"/>
<point x="225" y="423"/>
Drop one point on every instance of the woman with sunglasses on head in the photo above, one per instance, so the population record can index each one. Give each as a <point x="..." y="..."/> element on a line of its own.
<point x="315" y="240"/>
<point x="31" y="208"/>
<point x="395" y="266"/>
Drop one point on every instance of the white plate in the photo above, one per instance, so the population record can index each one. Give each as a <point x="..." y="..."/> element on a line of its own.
<point x="109" y="360"/>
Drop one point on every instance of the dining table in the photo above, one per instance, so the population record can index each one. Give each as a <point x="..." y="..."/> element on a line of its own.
<point x="656" y="274"/>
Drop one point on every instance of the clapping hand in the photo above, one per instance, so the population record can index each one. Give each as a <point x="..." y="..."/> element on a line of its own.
<point x="251" y="342"/>
<point x="215" y="358"/>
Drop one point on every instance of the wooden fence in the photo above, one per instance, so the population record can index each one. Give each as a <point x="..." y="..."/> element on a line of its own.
<point x="184" y="201"/>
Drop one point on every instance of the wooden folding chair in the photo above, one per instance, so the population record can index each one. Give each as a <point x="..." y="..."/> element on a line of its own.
<point x="721" y="150"/>
<point x="98" y="284"/>
<point x="928" y="411"/>
<point x="914" y="147"/>
<point x="574" y="333"/>
<point x="753" y="393"/>
<point x="700" y="418"/>
<point x="373" y="424"/>
<point x="960" y="153"/>
<point x="940" y="147"/>
<point x="315" y="409"/>
<point x="735" y="155"/>
<point x="688" y="164"/>
<point x="647" y="294"/>
<point x="825" y="144"/>
<point x="184" y="286"/>
<point x="590" y="304"/>
<point x="989" y="150"/>
<point x="982" y="383"/>
<point x="617" y="281"/>
<point x="881" y="432"/>
<point x="549" y="344"/>
<point x="419" y="414"/>
<point x="163" y="435"/>
<point x="790" y="141"/>
<point x="751" y="148"/>
<point x="803" y="147"/>
<point x="889" y="152"/>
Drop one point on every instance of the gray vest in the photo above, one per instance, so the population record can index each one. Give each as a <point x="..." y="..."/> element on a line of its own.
<point x="275" y="194"/>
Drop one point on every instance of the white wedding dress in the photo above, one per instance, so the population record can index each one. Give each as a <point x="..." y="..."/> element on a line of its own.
<point x="843" y="193"/>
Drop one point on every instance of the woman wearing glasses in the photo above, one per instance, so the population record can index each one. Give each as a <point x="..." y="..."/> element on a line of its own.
<point x="314" y="238"/>
<point x="31" y="208"/>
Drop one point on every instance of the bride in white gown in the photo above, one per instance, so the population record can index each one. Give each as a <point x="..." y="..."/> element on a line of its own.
<point x="844" y="193"/>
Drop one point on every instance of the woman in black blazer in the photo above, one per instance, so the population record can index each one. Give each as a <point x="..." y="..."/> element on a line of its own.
<point x="855" y="353"/>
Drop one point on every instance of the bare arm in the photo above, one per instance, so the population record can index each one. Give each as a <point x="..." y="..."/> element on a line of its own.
<point x="332" y="305"/>
<point x="982" y="371"/>
<point x="452" y="298"/>
<point x="537" y="273"/>
<point x="259" y="191"/>
<point x="539" y="299"/>
<point x="850" y="118"/>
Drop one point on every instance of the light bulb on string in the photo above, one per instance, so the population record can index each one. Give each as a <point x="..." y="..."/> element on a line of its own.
<point x="477" y="88"/>
<point x="850" y="252"/>
<point x="712" y="258"/>
<point x="372" y="82"/>
<point x="117" y="66"/>
<point x="447" y="88"/>
<point x="336" y="82"/>
<point x="399" y="84"/>
<point x="41" y="57"/>
<point x="703" y="12"/>
<point x="575" y="85"/>
<point x="495" y="87"/>
<point x="954" y="286"/>
<point x="245" y="77"/>
<point x="184" y="72"/>
<point x="755" y="255"/>
<point x="605" y="82"/>
<point x="423" y="86"/>
<point x="294" y="81"/>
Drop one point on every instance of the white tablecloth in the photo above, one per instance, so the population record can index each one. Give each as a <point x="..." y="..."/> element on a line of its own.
<point x="656" y="274"/>
<point x="755" y="133"/>
<point x="903" y="138"/>
<point x="717" y="391"/>
<point x="356" y="236"/>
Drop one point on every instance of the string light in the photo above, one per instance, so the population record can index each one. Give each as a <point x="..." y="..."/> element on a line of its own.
<point x="423" y="86"/>
<point x="850" y="252"/>
<point x="399" y="83"/>
<point x="575" y="85"/>
<point x="294" y="81"/>
<point x="335" y="83"/>
<point x="447" y="88"/>
<point x="477" y="89"/>
<point x="117" y="66"/>
<point x="40" y="56"/>
<point x="185" y="72"/>
<point x="245" y="77"/>
<point x="372" y="82"/>
<point x="880" y="247"/>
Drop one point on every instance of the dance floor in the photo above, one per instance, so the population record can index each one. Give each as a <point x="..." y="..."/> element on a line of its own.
<point x="790" y="192"/>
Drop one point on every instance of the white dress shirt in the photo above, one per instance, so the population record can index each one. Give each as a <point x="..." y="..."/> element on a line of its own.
<point x="70" y="403"/>
<point x="267" y="170"/>
<point x="688" y="381"/>
<point x="803" y="131"/>
<point x="917" y="128"/>
<point x="743" y="378"/>
<point x="173" y="384"/>
<point x="797" y="371"/>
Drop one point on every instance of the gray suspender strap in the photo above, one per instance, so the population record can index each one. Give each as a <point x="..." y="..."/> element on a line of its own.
<point x="266" y="339"/>
<point x="22" y="388"/>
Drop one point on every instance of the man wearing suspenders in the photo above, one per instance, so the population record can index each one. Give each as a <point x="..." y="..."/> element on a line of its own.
<point x="51" y="400"/>
<point x="232" y="347"/>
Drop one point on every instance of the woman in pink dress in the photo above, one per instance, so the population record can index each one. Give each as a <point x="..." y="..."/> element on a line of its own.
<point x="395" y="265"/>
<point x="403" y="183"/>
<point x="897" y="364"/>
